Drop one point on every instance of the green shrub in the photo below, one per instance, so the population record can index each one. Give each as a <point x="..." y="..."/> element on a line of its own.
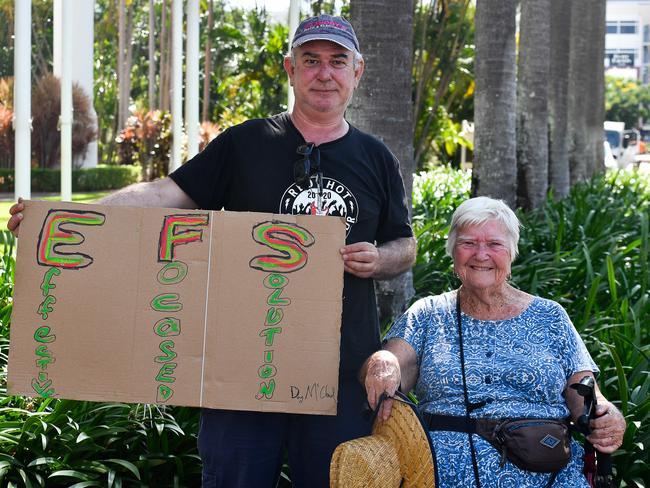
<point x="590" y="253"/>
<point x="46" y="109"/>
<point x="146" y="140"/>
<point x="436" y="194"/>
<point x="7" y="137"/>
<point x="101" y="177"/>
<point x="57" y="443"/>
<point x="104" y="177"/>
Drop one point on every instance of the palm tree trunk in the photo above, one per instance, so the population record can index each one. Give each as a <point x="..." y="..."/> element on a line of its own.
<point x="128" y="61"/>
<point x="207" y="78"/>
<point x="382" y="106"/>
<point x="124" y="60"/>
<point x="167" y="103"/>
<point x="121" y="73"/>
<point x="495" y="166"/>
<point x="163" y="95"/>
<point x="596" y="114"/>
<point x="152" y="56"/>
<point x="532" y="103"/>
<point x="558" y="168"/>
<point x="586" y="88"/>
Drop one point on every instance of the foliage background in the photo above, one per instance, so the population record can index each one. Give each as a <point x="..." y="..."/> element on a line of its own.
<point x="247" y="79"/>
<point x="626" y="101"/>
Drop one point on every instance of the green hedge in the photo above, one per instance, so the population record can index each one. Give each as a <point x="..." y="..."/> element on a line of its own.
<point x="102" y="177"/>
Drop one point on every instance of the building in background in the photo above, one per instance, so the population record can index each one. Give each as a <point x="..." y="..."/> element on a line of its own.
<point x="627" y="43"/>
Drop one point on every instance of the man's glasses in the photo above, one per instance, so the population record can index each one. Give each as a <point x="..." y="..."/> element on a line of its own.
<point x="304" y="168"/>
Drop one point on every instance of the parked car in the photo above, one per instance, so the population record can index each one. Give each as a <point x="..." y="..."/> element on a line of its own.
<point x="610" y="160"/>
<point x="624" y="143"/>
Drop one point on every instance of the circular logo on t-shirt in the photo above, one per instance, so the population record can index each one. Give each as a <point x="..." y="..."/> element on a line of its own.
<point x="334" y="199"/>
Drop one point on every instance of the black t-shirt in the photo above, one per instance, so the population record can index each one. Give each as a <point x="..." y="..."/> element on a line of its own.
<point x="249" y="167"/>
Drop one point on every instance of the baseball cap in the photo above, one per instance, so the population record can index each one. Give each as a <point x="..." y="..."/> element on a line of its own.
<point x="326" y="28"/>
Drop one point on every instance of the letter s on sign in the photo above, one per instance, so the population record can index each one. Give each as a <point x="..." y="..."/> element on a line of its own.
<point x="289" y="240"/>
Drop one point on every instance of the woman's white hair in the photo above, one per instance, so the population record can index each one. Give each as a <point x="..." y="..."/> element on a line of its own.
<point x="479" y="210"/>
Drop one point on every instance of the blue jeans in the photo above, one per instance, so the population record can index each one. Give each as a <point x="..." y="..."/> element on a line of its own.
<point x="246" y="449"/>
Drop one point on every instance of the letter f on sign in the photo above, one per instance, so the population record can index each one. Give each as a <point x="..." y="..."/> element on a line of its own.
<point x="177" y="230"/>
<point x="55" y="237"/>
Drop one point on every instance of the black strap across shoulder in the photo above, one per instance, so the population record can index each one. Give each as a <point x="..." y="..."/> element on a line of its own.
<point x="465" y="424"/>
<point x="468" y="405"/>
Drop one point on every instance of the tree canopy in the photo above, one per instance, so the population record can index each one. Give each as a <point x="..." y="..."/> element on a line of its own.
<point x="626" y="101"/>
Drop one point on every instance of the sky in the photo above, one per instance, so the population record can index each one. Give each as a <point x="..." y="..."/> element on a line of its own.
<point x="274" y="4"/>
<point x="277" y="7"/>
<point x="271" y="5"/>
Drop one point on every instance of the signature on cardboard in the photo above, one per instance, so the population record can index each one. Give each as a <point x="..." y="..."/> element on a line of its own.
<point x="313" y="391"/>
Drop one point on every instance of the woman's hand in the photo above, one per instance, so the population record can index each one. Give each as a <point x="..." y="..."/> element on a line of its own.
<point x="608" y="428"/>
<point x="386" y="370"/>
<point x="382" y="376"/>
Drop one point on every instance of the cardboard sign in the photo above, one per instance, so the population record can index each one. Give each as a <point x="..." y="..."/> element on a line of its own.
<point x="229" y="310"/>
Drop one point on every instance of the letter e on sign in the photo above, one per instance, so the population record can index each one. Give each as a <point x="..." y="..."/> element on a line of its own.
<point x="57" y="238"/>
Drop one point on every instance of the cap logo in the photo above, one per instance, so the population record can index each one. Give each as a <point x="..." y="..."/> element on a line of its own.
<point x="323" y="23"/>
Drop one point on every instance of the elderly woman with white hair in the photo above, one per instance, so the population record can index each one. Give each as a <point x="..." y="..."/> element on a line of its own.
<point x="486" y="354"/>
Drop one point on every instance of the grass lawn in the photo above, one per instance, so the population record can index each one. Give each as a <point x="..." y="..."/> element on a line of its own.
<point x="76" y="197"/>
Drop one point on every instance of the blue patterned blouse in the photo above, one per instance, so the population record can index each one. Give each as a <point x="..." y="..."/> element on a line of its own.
<point x="520" y="366"/>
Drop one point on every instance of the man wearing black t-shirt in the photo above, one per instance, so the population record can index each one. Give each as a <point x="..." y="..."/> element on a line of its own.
<point x="308" y="161"/>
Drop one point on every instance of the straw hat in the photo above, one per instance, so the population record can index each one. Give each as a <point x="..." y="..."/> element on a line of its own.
<point x="399" y="449"/>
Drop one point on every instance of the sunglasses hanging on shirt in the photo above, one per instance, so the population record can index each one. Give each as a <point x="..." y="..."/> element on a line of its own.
<point x="305" y="168"/>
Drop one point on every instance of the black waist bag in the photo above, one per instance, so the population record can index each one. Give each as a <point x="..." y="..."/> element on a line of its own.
<point x="540" y="445"/>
